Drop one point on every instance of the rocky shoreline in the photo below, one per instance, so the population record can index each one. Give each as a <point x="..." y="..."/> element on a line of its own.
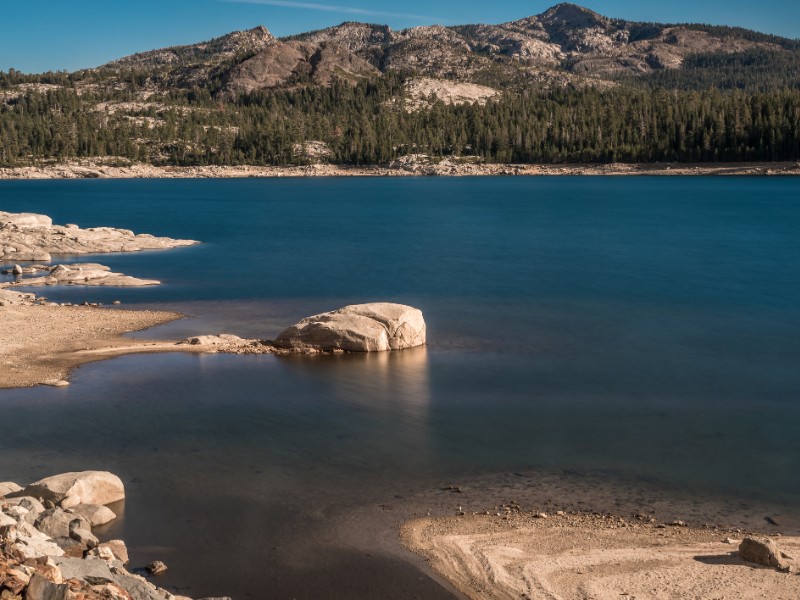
<point x="34" y="237"/>
<point x="49" y="552"/>
<point x="409" y="166"/>
<point x="42" y="341"/>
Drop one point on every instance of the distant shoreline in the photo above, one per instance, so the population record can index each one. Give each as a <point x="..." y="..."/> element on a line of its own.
<point x="99" y="169"/>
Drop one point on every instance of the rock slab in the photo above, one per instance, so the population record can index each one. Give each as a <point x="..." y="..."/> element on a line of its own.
<point x="373" y="327"/>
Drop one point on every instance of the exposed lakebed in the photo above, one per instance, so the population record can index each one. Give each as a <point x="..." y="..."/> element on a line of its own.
<point x="638" y="330"/>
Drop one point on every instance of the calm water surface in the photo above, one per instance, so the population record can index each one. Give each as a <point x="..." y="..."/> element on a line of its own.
<point x="645" y="327"/>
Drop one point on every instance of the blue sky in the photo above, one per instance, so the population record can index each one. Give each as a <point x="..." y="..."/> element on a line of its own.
<point x="41" y="35"/>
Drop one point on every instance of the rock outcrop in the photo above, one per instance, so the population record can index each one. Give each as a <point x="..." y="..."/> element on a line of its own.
<point x="287" y="63"/>
<point x="374" y="327"/>
<point x="52" y="554"/>
<point x="26" y="219"/>
<point x="30" y="237"/>
<point x="421" y="89"/>
<point x="91" y="274"/>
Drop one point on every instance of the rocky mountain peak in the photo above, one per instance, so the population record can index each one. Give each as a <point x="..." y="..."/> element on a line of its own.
<point x="573" y="16"/>
<point x="260" y="30"/>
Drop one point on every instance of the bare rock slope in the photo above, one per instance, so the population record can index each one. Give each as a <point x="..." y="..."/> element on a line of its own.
<point x="565" y="45"/>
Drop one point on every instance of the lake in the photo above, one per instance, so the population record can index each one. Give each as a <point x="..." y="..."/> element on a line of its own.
<point x="643" y="329"/>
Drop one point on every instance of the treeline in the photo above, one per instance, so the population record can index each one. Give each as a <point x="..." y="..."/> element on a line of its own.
<point x="370" y="124"/>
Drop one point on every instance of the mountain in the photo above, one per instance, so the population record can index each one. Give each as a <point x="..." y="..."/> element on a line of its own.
<point x="567" y="45"/>
<point x="567" y="85"/>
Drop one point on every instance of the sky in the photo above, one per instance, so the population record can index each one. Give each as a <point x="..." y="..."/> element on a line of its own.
<point x="44" y="35"/>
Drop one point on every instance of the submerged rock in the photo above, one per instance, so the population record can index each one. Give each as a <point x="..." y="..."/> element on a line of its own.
<point x="374" y="327"/>
<point x="91" y="274"/>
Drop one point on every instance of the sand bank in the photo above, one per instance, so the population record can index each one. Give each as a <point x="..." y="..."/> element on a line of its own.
<point x="573" y="556"/>
<point x="42" y="343"/>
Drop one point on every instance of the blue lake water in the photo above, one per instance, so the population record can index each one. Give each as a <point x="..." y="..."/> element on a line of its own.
<point x="639" y="327"/>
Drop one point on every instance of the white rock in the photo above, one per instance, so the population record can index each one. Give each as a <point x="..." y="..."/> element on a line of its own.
<point x="33" y="506"/>
<point x="103" y="552"/>
<point x="27" y="530"/>
<point x="37" y="548"/>
<point x="8" y="487"/>
<point x="24" y="220"/>
<point x="56" y="382"/>
<point x="374" y="327"/>
<point x="16" y="512"/>
<point x="86" y="487"/>
<point x="118" y="548"/>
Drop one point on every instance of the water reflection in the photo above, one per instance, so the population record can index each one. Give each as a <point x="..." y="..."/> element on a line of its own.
<point x="377" y="403"/>
<point x="387" y="381"/>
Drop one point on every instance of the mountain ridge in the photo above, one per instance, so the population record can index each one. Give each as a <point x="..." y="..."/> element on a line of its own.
<point x="565" y="45"/>
<point x="567" y="85"/>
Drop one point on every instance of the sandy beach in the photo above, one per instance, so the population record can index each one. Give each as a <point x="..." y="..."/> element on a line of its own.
<point x="42" y="343"/>
<point x="111" y="169"/>
<point x="573" y="556"/>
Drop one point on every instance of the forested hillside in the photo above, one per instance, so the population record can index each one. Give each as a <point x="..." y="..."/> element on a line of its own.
<point x="578" y="88"/>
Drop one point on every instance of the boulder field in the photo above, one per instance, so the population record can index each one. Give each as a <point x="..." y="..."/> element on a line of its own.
<point x="48" y="550"/>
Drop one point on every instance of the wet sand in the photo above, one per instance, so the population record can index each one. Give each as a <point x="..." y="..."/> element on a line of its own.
<point x="614" y="539"/>
<point x="603" y="537"/>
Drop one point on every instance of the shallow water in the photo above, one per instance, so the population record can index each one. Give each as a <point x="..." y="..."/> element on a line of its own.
<point x="643" y="327"/>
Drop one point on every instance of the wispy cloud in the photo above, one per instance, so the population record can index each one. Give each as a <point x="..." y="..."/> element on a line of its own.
<point x="350" y="10"/>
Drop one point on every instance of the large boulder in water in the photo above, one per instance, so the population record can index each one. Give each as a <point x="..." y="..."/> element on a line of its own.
<point x="373" y="327"/>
